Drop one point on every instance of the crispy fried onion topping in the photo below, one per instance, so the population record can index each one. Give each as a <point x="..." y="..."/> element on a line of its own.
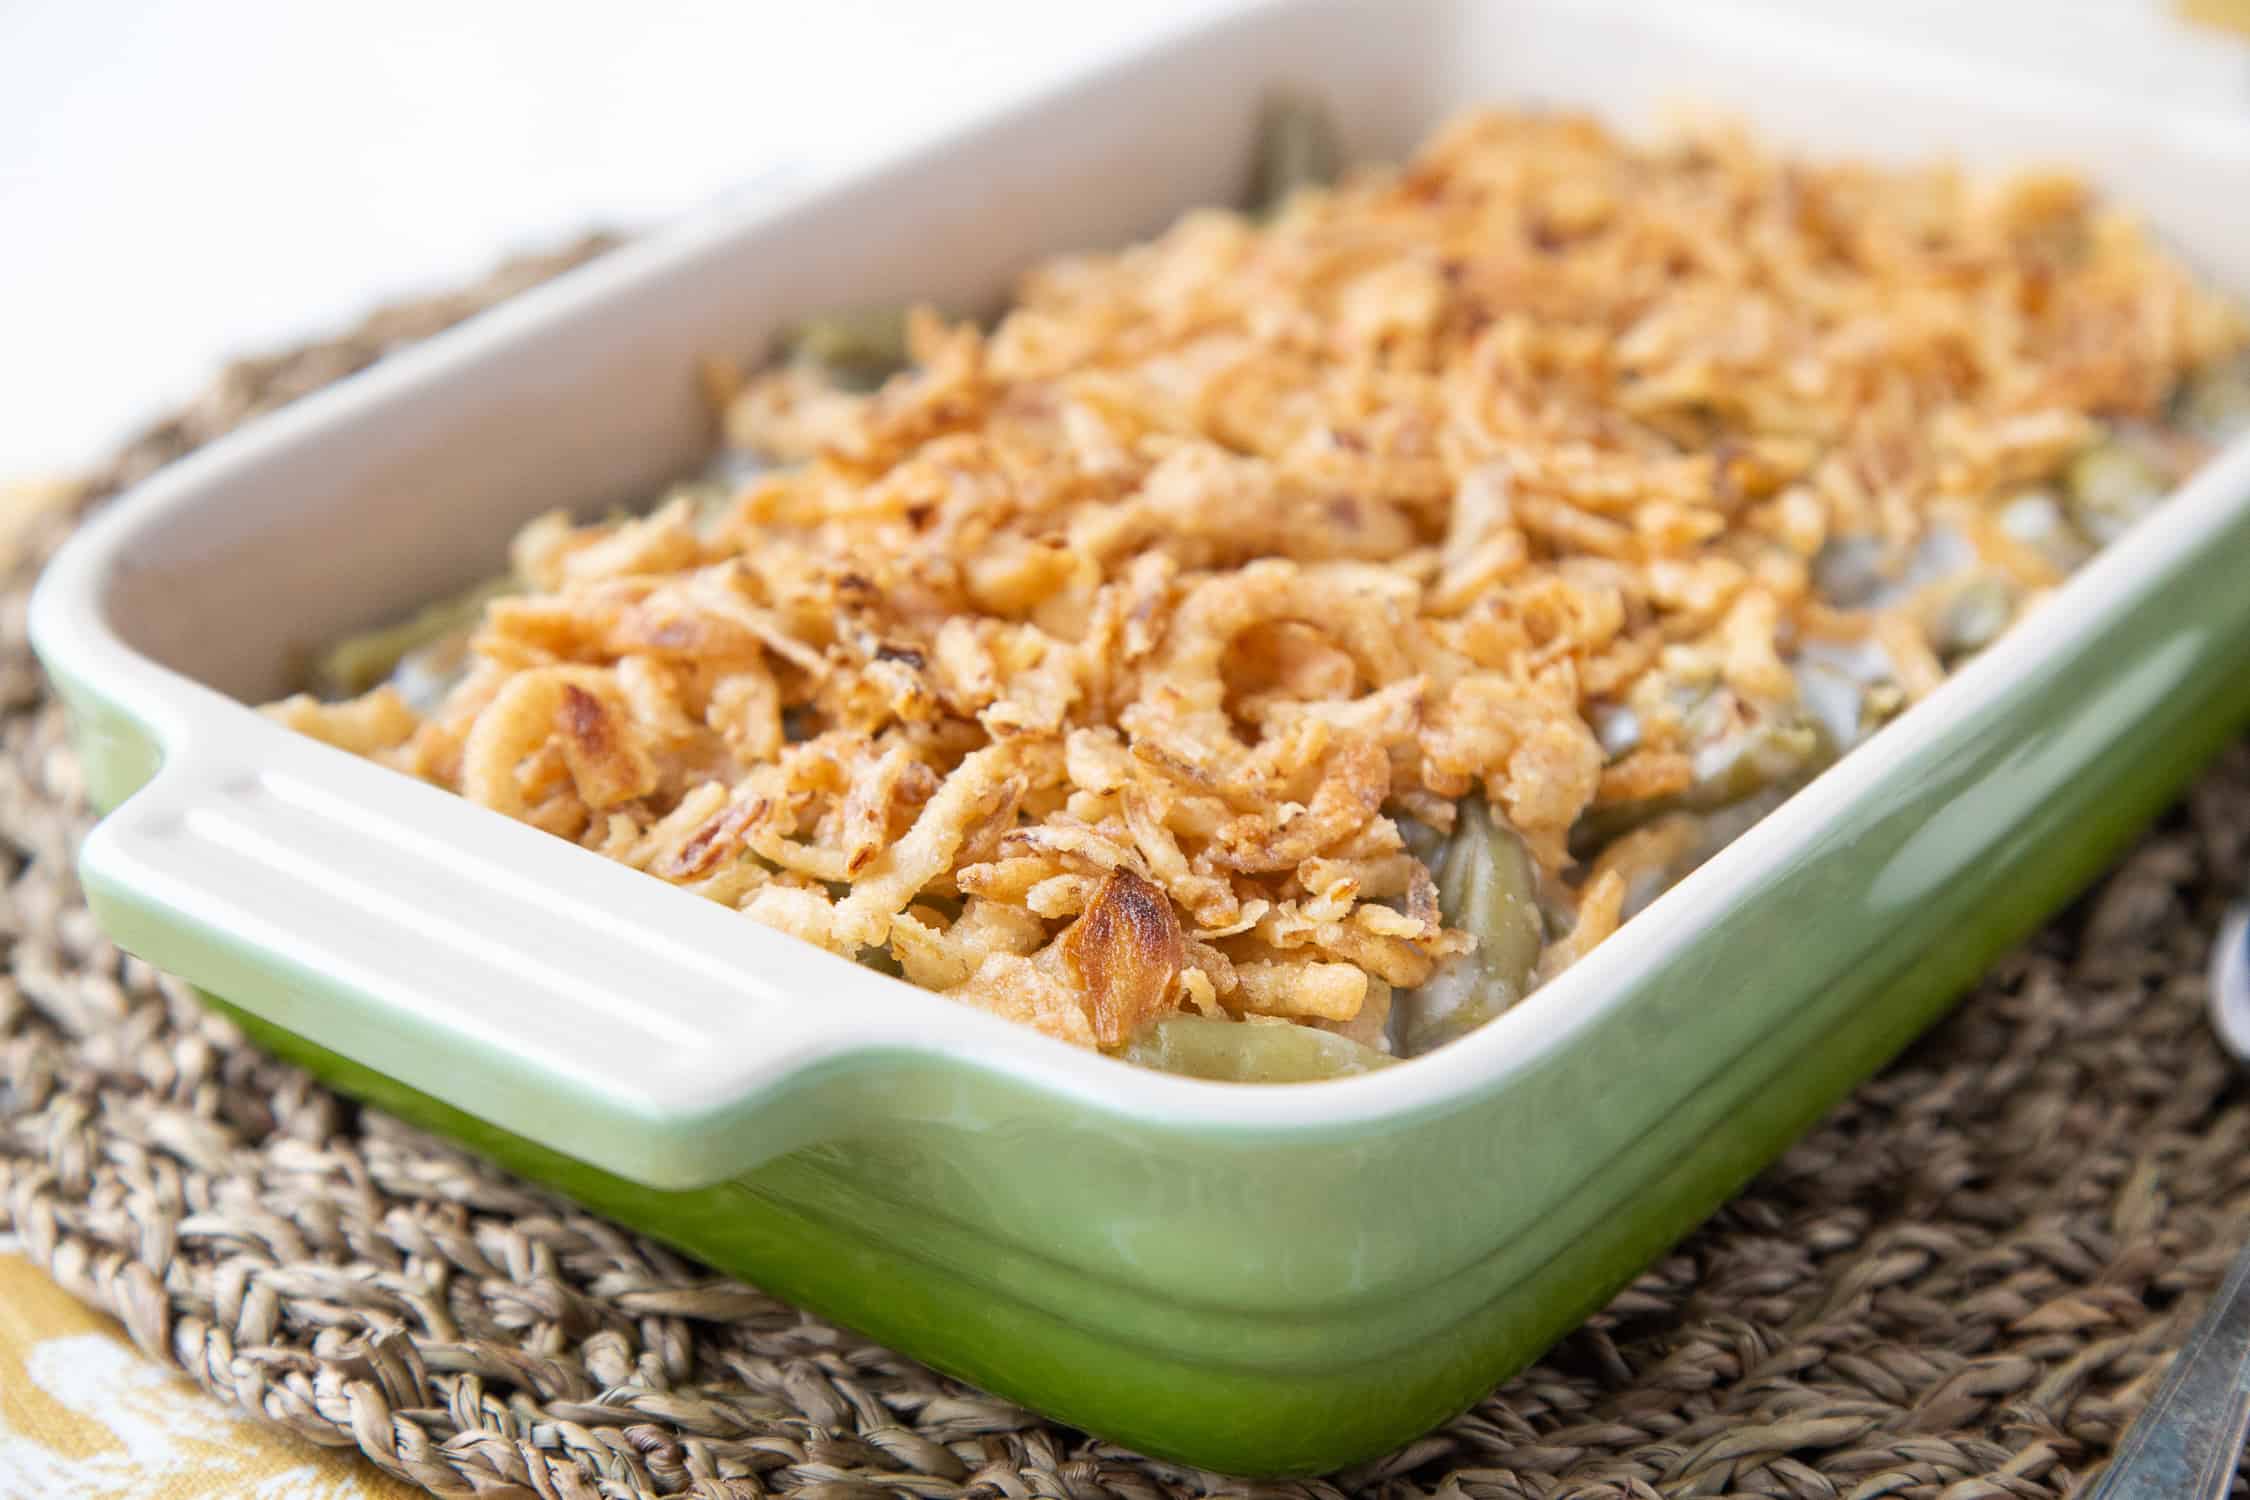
<point x="1084" y="670"/>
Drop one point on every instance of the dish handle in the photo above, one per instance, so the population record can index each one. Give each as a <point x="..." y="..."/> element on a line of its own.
<point x="561" y="996"/>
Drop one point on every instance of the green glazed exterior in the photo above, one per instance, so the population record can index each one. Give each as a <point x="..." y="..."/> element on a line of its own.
<point x="1281" y="1301"/>
<point x="1224" y="1278"/>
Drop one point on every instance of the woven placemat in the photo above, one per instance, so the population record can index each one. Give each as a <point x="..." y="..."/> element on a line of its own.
<point x="1963" y="1285"/>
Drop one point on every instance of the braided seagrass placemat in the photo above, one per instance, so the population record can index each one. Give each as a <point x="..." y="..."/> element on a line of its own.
<point x="1963" y="1285"/>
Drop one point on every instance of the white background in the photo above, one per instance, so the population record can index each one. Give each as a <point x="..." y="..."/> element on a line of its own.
<point x="179" y="183"/>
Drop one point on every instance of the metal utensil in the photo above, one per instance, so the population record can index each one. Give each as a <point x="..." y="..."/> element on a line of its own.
<point x="2184" y="1446"/>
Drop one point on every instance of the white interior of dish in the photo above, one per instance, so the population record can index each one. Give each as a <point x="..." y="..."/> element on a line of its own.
<point x="407" y="481"/>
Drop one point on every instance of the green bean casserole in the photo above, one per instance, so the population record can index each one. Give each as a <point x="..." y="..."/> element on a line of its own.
<point x="1276" y="648"/>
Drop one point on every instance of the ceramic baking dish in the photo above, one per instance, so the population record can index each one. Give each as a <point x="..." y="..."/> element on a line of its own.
<point x="1252" y="1279"/>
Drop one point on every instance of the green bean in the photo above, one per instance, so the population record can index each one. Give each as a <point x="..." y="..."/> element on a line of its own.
<point x="2214" y="402"/>
<point x="2037" y="519"/>
<point x="2111" y="485"/>
<point x="1248" y="1051"/>
<point x="1832" y="692"/>
<point x="1847" y="691"/>
<point x="855" y="350"/>
<point x="1776" y="749"/>
<point x="881" y="961"/>
<point x="1706" y="834"/>
<point x="1296" y="148"/>
<point x="1973" y="616"/>
<point x="1860" y="572"/>
<point x="709" y="498"/>
<point x="1847" y="571"/>
<point x="1783" y="750"/>
<point x="1488" y="888"/>
<point x="1422" y="841"/>
<point x="1486" y="885"/>
<point x="1717" y="829"/>
<point x="436" y="633"/>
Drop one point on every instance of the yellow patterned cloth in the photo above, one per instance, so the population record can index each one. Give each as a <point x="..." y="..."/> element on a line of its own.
<point x="2231" y="15"/>
<point x="84" y="1415"/>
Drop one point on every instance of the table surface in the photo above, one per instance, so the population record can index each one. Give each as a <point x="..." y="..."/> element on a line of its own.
<point x="83" y="1414"/>
<point x="199" y="189"/>
<point x="179" y="184"/>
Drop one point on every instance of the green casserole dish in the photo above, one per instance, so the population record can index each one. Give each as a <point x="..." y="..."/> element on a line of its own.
<point x="1253" y="1280"/>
